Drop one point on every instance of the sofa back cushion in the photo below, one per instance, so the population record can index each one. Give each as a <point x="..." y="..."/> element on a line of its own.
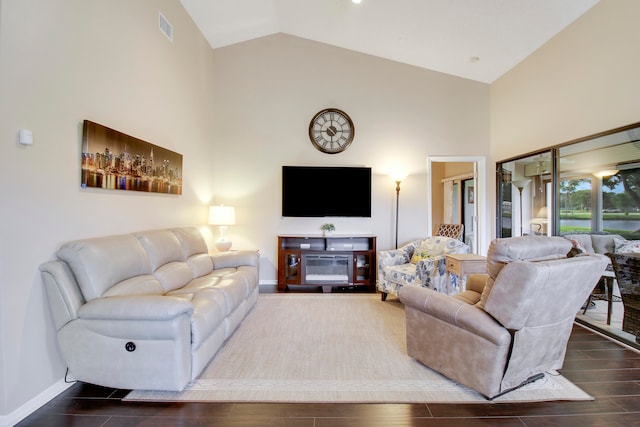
<point x="100" y="263"/>
<point x="604" y="243"/>
<point x="162" y="247"/>
<point x="191" y="241"/>
<point x="168" y="258"/>
<point x="595" y="243"/>
<point x="195" y="250"/>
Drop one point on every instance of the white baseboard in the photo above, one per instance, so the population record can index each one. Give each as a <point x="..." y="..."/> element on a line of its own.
<point x="34" y="404"/>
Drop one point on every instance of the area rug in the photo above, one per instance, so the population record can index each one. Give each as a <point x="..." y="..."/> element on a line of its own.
<point x="324" y="348"/>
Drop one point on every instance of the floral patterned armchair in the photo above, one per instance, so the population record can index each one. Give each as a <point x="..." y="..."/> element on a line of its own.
<point x="419" y="263"/>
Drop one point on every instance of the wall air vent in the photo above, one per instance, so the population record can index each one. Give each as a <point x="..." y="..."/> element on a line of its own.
<point x="165" y="26"/>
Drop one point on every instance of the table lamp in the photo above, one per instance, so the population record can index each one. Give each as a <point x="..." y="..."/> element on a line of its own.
<point x="222" y="216"/>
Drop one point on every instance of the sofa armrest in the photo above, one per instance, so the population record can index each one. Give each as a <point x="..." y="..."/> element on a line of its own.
<point x="62" y="291"/>
<point x="235" y="259"/>
<point x="136" y="307"/>
<point x="455" y="312"/>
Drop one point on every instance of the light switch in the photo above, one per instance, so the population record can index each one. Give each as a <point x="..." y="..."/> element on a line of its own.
<point x="25" y="137"/>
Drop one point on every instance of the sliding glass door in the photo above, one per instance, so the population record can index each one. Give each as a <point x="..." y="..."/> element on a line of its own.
<point x="587" y="186"/>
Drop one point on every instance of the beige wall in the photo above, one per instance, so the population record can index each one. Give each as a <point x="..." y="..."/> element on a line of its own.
<point x="583" y="81"/>
<point x="63" y="61"/>
<point x="267" y="90"/>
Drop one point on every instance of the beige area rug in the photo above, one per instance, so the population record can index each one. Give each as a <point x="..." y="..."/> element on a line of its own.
<point x="333" y="348"/>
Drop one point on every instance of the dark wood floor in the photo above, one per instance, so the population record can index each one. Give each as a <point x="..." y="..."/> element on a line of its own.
<point x="605" y="370"/>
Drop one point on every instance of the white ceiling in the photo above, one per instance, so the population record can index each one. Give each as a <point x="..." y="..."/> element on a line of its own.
<point x="440" y="35"/>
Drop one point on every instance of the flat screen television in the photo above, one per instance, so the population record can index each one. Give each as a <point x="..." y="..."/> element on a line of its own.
<point x="318" y="191"/>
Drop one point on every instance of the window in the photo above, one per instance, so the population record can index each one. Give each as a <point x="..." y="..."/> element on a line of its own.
<point x="599" y="185"/>
<point x="592" y="186"/>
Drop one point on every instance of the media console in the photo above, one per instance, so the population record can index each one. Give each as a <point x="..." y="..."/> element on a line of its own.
<point x="326" y="261"/>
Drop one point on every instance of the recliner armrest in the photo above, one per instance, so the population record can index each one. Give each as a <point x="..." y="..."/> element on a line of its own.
<point x="476" y="282"/>
<point x="455" y="312"/>
<point x="136" y="307"/>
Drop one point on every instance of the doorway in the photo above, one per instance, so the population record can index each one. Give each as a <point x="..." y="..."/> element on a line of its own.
<point x="471" y="196"/>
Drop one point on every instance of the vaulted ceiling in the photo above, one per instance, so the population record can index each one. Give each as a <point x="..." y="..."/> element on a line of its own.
<point x="474" y="39"/>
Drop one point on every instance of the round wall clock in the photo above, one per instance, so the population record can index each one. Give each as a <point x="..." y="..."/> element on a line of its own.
<point x="331" y="131"/>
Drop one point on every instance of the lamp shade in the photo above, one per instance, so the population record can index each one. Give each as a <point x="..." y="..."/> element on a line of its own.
<point x="520" y="184"/>
<point x="222" y="215"/>
<point x="605" y="173"/>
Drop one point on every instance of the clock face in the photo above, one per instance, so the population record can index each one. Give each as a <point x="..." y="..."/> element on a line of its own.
<point x="331" y="131"/>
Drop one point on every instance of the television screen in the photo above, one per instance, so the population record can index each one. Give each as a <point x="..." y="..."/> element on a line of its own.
<point x="317" y="191"/>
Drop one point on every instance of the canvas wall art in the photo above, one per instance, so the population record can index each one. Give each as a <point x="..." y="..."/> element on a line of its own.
<point x="115" y="161"/>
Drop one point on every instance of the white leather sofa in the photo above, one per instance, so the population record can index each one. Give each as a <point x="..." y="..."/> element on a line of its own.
<point x="146" y="310"/>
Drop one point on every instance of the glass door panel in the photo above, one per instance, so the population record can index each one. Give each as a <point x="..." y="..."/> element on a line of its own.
<point x="524" y="191"/>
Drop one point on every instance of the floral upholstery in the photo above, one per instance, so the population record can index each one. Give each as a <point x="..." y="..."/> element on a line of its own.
<point x="395" y="268"/>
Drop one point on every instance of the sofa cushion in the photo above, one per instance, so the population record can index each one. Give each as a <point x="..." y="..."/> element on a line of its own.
<point x="162" y="247"/>
<point x="626" y="246"/>
<point x="604" y="243"/>
<point x="139" y="285"/>
<point x="92" y="262"/>
<point x="191" y="241"/>
<point x="208" y="314"/>
<point x="173" y="275"/>
<point x="200" y="265"/>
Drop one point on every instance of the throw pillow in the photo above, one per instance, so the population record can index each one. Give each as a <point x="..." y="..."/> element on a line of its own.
<point x="626" y="246"/>
<point x="422" y="252"/>
<point x="576" y="248"/>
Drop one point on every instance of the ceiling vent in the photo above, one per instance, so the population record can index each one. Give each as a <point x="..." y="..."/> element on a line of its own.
<point x="165" y="26"/>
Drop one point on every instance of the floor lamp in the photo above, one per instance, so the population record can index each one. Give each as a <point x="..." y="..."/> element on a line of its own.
<point x="397" y="178"/>
<point x="520" y="186"/>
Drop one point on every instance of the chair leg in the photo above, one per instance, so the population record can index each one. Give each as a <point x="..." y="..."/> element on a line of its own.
<point x="586" y="305"/>
<point x="383" y="295"/>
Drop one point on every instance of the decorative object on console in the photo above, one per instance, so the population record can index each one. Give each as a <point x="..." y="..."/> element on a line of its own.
<point x="222" y="216"/>
<point x="331" y="131"/>
<point x="327" y="228"/>
<point x="397" y="177"/>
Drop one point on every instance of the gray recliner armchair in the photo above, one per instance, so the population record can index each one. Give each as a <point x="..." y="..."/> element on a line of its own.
<point x="509" y="326"/>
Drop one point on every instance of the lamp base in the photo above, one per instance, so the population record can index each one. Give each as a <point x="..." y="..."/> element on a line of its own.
<point x="223" y="245"/>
